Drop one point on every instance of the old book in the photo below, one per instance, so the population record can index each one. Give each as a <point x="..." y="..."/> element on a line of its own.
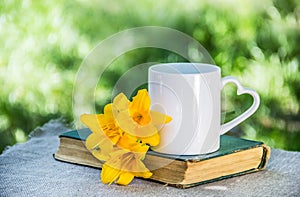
<point x="235" y="157"/>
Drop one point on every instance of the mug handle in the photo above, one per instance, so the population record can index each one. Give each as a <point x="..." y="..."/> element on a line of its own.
<point x="240" y="90"/>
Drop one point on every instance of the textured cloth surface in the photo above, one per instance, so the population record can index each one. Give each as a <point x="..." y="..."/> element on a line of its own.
<point x="29" y="169"/>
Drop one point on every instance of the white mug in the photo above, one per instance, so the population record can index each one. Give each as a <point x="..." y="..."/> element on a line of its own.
<point x="190" y="94"/>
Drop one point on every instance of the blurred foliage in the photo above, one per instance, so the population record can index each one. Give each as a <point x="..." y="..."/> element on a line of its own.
<point x="44" y="42"/>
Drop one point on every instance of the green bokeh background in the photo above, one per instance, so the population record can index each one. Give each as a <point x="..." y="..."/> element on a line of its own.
<point x="44" y="42"/>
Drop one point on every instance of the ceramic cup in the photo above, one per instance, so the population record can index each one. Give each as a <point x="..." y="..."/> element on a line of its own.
<point x="190" y="94"/>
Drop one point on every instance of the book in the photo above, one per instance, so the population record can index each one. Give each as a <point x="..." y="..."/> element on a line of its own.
<point x="235" y="157"/>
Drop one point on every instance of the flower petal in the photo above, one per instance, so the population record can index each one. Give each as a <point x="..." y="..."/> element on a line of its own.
<point x="125" y="122"/>
<point x="139" y="169"/>
<point x="108" y="110"/>
<point x="139" y="108"/>
<point x="120" y="103"/>
<point x="100" y="155"/>
<point x="141" y="102"/>
<point x="145" y="131"/>
<point x="109" y="174"/>
<point x="116" y="159"/>
<point x="100" y="146"/>
<point x="131" y="143"/>
<point x="159" y="118"/>
<point x="93" y="141"/>
<point x="125" y="178"/>
<point x="103" y="124"/>
<point x="104" y="152"/>
<point x="145" y="175"/>
<point x="119" y="166"/>
<point x="93" y="122"/>
<point x="151" y="140"/>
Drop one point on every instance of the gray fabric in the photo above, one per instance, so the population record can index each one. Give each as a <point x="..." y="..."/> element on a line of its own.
<point x="29" y="169"/>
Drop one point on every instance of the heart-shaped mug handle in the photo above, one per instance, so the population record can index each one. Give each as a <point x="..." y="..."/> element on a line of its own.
<point x="240" y="90"/>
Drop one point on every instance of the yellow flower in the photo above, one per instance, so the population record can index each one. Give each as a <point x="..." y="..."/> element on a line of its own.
<point x="123" y="159"/>
<point x="122" y="167"/>
<point x="100" y="146"/>
<point x="137" y="119"/>
<point x="120" y="137"/>
<point x="105" y="134"/>
<point x="132" y="144"/>
<point x="103" y="124"/>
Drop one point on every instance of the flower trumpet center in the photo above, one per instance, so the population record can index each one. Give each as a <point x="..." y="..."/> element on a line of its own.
<point x="109" y="127"/>
<point x="141" y="118"/>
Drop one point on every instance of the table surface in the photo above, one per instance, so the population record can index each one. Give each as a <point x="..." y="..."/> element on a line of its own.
<point x="28" y="169"/>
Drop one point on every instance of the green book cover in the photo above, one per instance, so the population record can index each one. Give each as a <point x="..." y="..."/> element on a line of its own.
<point x="228" y="145"/>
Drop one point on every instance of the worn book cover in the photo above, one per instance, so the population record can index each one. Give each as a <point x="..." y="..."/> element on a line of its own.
<point x="235" y="157"/>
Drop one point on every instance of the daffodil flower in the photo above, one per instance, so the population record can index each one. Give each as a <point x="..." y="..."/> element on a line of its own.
<point x="97" y="142"/>
<point x="103" y="124"/>
<point x="131" y="143"/>
<point x="122" y="167"/>
<point x="136" y="118"/>
<point x="121" y="137"/>
<point x="99" y="146"/>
